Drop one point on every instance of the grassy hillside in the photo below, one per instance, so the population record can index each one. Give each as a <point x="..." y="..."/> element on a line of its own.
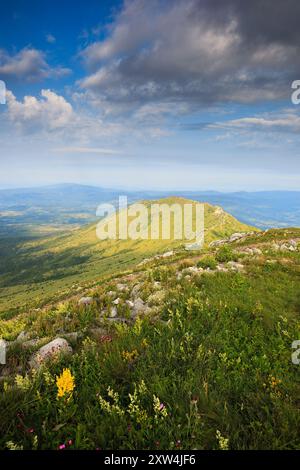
<point x="33" y="272"/>
<point x="204" y="364"/>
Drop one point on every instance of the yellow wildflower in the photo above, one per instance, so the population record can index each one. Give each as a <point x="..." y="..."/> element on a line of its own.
<point x="130" y="356"/>
<point x="65" y="384"/>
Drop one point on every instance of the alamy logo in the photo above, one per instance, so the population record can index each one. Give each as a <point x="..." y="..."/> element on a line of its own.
<point x="151" y="221"/>
<point x="296" y="354"/>
<point x="2" y="351"/>
<point x="2" y="92"/>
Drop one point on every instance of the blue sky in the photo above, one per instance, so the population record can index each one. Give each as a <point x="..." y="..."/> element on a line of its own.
<point x="191" y="94"/>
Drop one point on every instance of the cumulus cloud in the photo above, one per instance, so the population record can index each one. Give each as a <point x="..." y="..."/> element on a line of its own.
<point x="29" y="64"/>
<point x="51" y="116"/>
<point x="50" y="111"/>
<point x="197" y="52"/>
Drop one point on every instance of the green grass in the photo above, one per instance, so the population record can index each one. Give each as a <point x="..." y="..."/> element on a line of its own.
<point x="41" y="270"/>
<point x="216" y="354"/>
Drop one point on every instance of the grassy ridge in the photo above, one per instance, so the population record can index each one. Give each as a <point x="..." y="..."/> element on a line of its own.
<point x="209" y="368"/>
<point x="41" y="270"/>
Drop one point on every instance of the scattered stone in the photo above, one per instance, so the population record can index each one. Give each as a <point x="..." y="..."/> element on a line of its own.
<point x="136" y="289"/>
<point x="167" y="254"/>
<point x="113" y="312"/>
<point x="236" y="236"/>
<point x="218" y="243"/>
<point x="49" y="351"/>
<point x="23" y="336"/>
<point x="73" y="336"/>
<point x="117" y="301"/>
<point x="235" y="266"/>
<point x="111" y="293"/>
<point x="193" y="246"/>
<point x="130" y="303"/>
<point x="121" y="287"/>
<point x="85" y="301"/>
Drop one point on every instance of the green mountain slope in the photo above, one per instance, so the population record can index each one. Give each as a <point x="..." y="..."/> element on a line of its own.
<point x="42" y="269"/>
<point x="189" y="353"/>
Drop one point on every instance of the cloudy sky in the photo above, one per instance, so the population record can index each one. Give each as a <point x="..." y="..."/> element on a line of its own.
<point x="170" y="94"/>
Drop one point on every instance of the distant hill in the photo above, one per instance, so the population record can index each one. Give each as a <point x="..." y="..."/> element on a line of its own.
<point x="61" y="206"/>
<point x="42" y="268"/>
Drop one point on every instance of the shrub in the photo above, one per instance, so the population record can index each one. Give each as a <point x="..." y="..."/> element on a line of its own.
<point x="225" y="254"/>
<point x="207" y="262"/>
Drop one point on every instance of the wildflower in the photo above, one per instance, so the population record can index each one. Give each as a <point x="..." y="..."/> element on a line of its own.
<point x="62" y="446"/>
<point x="160" y="409"/>
<point x="274" y="382"/>
<point x="23" y="383"/>
<point x="130" y="356"/>
<point x="145" y="343"/>
<point x="65" y="384"/>
<point x="222" y="441"/>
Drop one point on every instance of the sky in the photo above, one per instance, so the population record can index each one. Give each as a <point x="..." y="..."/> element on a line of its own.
<point x="150" y="94"/>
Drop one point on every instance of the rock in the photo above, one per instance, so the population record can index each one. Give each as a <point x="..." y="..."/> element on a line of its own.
<point x="284" y="247"/>
<point x="256" y="251"/>
<point x="292" y="248"/>
<point x="275" y="246"/>
<point x="23" y="336"/>
<point x="221" y="268"/>
<point x="85" y="301"/>
<point x="121" y="287"/>
<point x="73" y="336"/>
<point x="235" y="266"/>
<point x="167" y="254"/>
<point x="136" y="289"/>
<point x="50" y="351"/>
<point x="140" y="307"/>
<point x="192" y="270"/>
<point x="145" y="261"/>
<point x="218" y="243"/>
<point x="111" y="293"/>
<point x="236" y="236"/>
<point x="117" y="301"/>
<point x="129" y="303"/>
<point x="35" y="342"/>
<point x="113" y="312"/>
<point x="293" y="243"/>
<point x="157" y="285"/>
<point x="193" y="246"/>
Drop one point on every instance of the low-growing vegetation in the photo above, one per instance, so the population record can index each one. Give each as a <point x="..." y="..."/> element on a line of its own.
<point x="207" y="367"/>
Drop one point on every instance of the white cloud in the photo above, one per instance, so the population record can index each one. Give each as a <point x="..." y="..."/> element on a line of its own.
<point x="50" y="111"/>
<point x="100" y="151"/>
<point x="283" y="121"/>
<point x="28" y="64"/>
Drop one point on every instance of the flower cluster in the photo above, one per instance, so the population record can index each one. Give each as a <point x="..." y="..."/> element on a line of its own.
<point x="65" y="384"/>
<point x="222" y="441"/>
<point x="130" y="356"/>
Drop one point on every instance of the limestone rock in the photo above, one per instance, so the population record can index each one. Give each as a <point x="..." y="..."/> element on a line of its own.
<point x="85" y="301"/>
<point x="50" y="351"/>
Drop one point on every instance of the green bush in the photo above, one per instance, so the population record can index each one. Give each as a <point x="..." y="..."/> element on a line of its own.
<point x="207" y="262"/>
<point x="225" y="254"/>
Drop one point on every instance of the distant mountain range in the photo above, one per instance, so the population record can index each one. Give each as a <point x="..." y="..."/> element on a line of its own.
<point x="72" y="204"/>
